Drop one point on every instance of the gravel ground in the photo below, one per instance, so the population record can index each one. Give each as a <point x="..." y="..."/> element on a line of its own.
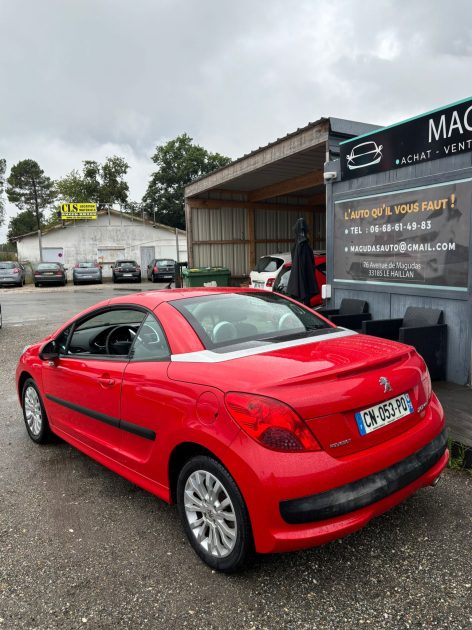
<point x="81" y="547"/>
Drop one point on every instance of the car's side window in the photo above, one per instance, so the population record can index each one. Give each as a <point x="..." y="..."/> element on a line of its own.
<point x="108" y="334"/>
<point x="150" y="342"/>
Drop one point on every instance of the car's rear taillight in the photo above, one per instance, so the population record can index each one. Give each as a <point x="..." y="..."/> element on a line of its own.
<point x="16" y="270"/>
<point x="426" y="382"/>
<point x="270" y="282"/>
<point x="270" y="422"/>
<point x="58" y="273"/>
<point x="138" y="268"/>
<point x="156" y="269"/>
<point x="76" y="266"/>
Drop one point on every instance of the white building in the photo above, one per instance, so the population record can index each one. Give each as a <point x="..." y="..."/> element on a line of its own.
<point x="112" y="236"/>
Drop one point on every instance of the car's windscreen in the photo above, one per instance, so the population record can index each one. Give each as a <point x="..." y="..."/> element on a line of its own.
<point x="268" y="264"/>
<point x="86" y="265"/>
<point x="48" y="267"/>
<point x="224" y="321"/>
<point x="8" y="265"/>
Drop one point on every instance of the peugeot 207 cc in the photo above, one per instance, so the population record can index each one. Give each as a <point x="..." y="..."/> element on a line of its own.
<point x="269" y="427"/>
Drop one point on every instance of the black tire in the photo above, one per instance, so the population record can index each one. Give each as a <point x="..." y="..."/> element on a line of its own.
<point x="41" y="434"/>
<point x="75" y="283"/>
<point x="139" y="280"/>
<point x="115" y="280"/>
<point x="243" y="544"/>
<point x="36" y="284"/>
<point x="153" y="278"/>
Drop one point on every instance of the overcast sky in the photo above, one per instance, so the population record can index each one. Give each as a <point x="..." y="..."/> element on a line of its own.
<point x="86" y="79"/>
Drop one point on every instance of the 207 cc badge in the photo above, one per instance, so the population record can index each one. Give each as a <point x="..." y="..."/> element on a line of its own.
<point x="383" y="380"/>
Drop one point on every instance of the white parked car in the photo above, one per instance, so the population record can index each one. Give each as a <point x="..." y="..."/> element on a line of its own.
<point x="267" y="268"/>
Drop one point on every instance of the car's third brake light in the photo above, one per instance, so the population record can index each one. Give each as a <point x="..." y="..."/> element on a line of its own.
<point x="270" y="422"/>
<point x="270" y="282"/>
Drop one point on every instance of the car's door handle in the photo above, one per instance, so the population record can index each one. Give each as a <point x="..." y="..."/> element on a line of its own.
<point x="105" y="381"/>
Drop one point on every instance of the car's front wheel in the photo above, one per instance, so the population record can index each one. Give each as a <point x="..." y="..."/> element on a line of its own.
<point x="213" y="514"/>
<point x="36" y="420"/>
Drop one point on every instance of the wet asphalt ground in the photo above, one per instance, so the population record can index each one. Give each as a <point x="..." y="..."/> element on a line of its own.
<point x="81" y="547"/>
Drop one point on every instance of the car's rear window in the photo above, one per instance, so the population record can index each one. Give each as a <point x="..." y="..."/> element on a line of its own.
<point x="48" y="266"/>
<point x="126" y="263"/>
<point x="223" y="321"/>
<point x="8" y="265"/>
<point x="165" y="262"/>
<point x="86" y="265"/>
<point x="269" y="263"/>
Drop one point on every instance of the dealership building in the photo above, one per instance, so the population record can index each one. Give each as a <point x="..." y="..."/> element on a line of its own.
<point x="113" y="235"/>
<point x="390" y="205"/>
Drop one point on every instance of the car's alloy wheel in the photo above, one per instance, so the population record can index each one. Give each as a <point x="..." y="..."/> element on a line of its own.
<point x="214" y="514"/>
<point x="34" y="413"/>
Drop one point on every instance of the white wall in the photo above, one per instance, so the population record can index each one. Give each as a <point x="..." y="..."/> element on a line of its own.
<point x="109" y="236"/>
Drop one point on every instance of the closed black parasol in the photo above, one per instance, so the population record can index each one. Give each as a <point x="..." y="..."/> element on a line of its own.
<point x="302" y="284"/>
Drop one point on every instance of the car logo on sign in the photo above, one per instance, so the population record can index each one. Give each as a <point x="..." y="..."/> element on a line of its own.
<point x="383" y="380"/>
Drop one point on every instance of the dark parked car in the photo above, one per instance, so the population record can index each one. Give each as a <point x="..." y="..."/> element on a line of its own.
<point x="126" y="270"/>
<point x="50" y="273"/>
<point x="161" y="269"/>
<point x="87" y="272"/>
<point x="12" y="273"/>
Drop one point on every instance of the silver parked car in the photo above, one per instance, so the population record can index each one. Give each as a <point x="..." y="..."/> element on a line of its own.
<point x="87" y="272"/>
<point x="12" y="273"/>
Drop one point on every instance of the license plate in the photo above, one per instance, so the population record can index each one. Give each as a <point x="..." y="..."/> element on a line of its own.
<point x="387" y="412"/>
<point x="128" y="274"/>
<point x="258" y="285"/>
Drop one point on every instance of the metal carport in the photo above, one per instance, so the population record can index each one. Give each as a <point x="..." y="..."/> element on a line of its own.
<point x="247" y="209"/>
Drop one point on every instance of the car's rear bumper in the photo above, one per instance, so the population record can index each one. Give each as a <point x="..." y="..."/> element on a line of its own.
<point x="164" y="276"/>
<point x="132" y="275"/>
<point x="50" y="279"/>
<point x="11" y="280"/>
<point x="367" y="490"/>
<point x="87" y="278"/>
<point x="300" y="500"/>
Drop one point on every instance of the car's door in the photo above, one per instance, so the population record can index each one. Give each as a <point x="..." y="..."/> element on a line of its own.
<point x="83" y="386"/>
<point x="149" y="405"/>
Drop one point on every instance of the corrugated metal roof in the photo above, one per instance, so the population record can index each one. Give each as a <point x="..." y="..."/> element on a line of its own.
<point x="116" y="213"/>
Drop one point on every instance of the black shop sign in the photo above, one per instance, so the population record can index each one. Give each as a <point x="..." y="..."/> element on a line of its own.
<point x="418" y="236"/>
<point x="442" y="133"/>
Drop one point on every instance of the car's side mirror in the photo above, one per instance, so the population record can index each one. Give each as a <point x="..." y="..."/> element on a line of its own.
<point x="50" y="352"/>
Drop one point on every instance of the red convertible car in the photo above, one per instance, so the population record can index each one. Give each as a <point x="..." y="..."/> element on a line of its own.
<point x="270" y="428"/>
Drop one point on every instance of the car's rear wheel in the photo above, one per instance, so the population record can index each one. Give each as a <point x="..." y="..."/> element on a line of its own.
<point x="213" y="514"/>
<point x="36" y="420"/>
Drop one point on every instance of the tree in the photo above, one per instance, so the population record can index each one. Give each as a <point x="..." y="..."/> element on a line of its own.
<point x="30" y="189"/>
<point x="178" y="162"/>
<point x="23" y="223"/>
<point x="3" y="165"/>
<point x="103" y="184"/>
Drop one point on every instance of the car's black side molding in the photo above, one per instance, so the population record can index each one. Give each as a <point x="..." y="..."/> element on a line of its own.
<point x="136" y="429"/>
